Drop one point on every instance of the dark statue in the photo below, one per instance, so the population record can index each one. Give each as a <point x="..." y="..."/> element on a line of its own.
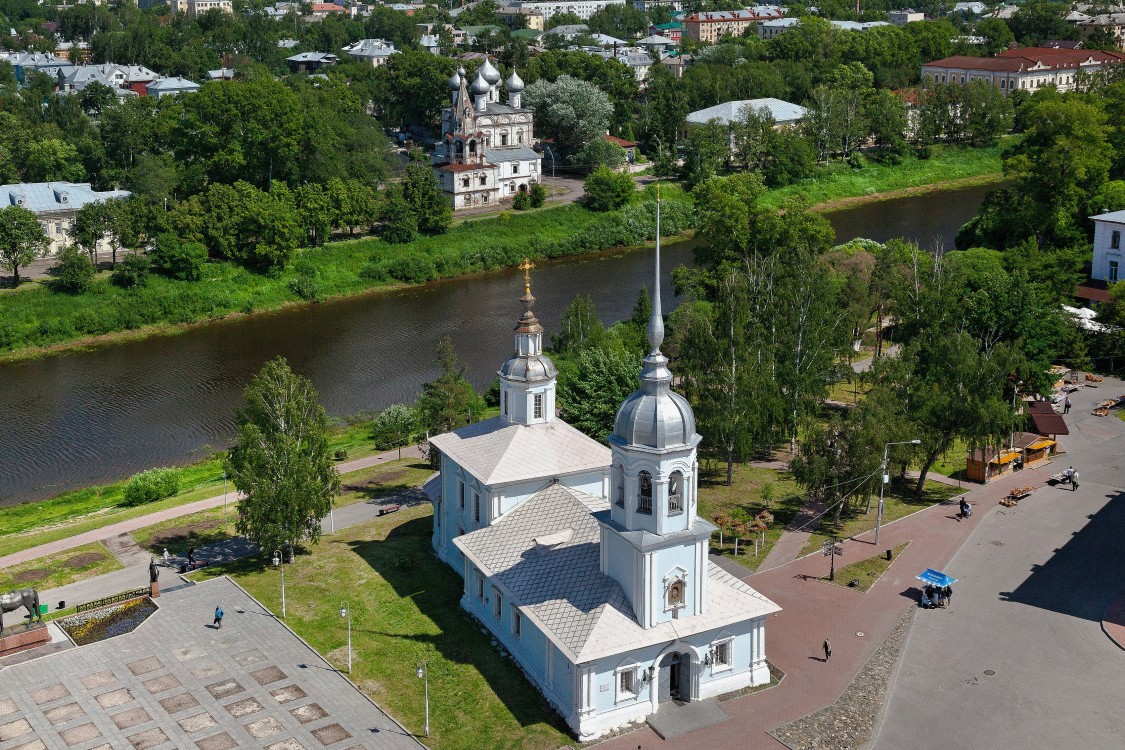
<point x="153" y="571"/>
<point x="13" y="600"/>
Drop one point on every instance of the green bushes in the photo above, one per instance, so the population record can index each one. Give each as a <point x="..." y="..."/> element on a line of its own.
<point x="178" y="260"/>
<point x="538" y="195"/>
<point x="607" y="190"/>
<point x="152" y="485"/>
<point x="75" y="273"/>
<point x="131" y="272"/>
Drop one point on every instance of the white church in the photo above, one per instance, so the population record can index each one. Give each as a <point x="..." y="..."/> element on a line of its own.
<point x="485" y="152"/>
<point x="589" y="563"/>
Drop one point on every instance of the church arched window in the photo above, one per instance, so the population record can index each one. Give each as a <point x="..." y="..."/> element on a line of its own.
<point x="676" y="493"/>
<point x="644" y="493"/>
<point x="472" y="147"/>
<point x="519" y="137"/>
<point x="504" y="138"/>
<point x="619" y="480"/>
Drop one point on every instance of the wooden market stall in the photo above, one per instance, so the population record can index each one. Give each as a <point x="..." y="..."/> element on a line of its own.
<point x="1040" y="450"/>
<point x="985" y="465"/>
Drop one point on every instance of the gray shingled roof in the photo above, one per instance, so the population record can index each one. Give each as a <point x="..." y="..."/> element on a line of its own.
<point x="497" y="452"/>
<point x="729" y="112"/>
<point x="562" y="589"/>
<point x="510" y="153"/>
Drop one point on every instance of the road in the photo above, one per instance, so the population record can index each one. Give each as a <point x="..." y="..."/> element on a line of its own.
<point x="1021" y="660"/>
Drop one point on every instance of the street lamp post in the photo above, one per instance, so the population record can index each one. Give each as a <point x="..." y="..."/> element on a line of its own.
<point x="279" y="560"/>
<point x="883" y="478"/>
<point x="424" y="674"/>
<point x="346" y="611"/>
<point x="225" y="520"/>
<point x="1012" y="434"/>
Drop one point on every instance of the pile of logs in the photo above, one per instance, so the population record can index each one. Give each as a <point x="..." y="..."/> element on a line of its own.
<point x="1094" y="378"/>
<point x="1017" y="494"/>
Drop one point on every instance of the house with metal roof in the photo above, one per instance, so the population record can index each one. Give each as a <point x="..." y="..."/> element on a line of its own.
<point x="589" y="564"/>
<point x="310" y="62"/>
<point x="375" y="52"/>
<point x="56" y="204"/>
<point x="785" y="114"/>
<point x="174" y="86"/>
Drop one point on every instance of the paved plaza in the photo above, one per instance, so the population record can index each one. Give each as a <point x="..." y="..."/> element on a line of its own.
<point x="178" y="683"/>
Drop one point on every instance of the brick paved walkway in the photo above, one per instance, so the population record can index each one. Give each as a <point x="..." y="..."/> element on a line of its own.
<point x="140" y="522"/>
<point x="177" y="683"/>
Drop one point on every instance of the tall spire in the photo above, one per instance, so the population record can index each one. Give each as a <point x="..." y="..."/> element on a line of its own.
<point x="528" y="321"/>
<point x="656" y="320"/>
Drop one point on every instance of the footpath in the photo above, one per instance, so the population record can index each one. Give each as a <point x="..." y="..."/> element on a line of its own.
<point x="124" y="527"/>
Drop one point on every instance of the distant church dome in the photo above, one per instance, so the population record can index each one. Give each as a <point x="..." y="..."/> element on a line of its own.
<point x="514" y="84"/>
<point x="491" y="74"/>
<point x="480" y="86"/>
<point x="529" y="368"/>
<point x="455" y="81"/>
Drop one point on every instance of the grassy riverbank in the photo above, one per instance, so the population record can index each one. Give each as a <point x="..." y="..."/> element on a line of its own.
<point x="948" y="167"/>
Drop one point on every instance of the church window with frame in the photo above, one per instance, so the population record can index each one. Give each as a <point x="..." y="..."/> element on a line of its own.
<point x="538" y="405"/>
<point x="619" y="479"/>
<point x="476" y="507"/>
<point x="628" y="682"/>
<point x="644" y="493"/>
<point x="484" y="179"/>
<point x="676" y="493"/>
<point x="461" y="493"/>
<point x="505" y="403"/>
<point x="721" y="655"/>
<point x="464" y="182"/>
<point x="478" y="579"/>
<point x="517" y="622"/>
<point x="497" y="603"/>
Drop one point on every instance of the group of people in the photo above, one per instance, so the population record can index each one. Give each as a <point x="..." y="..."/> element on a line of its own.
<point x="966" y="509"/>
<point x="936" y="596"/>
<point x="1071" y="478"/>
<point x="190" y="558"/>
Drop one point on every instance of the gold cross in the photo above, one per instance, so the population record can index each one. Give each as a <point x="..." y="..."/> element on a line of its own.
<point x="526" y="267"/>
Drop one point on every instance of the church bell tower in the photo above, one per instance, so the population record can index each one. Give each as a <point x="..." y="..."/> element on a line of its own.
<point x="527" y="379"/>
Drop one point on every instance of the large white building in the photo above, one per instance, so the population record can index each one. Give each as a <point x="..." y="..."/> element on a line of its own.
<point x="55" y="205"/>
<point x="589" y="564"/>
<point x="485" y="152"/>
<point x="581" y="8"/>
<point x="1027" y="68"/>
<point x="194" y="8"/>
<point x="1108" y="230"/>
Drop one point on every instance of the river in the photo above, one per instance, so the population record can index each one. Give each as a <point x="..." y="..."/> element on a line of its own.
<point x="89" y="417"/>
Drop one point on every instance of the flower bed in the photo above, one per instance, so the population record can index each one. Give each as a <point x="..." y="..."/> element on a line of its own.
<point x="107" y="622"/>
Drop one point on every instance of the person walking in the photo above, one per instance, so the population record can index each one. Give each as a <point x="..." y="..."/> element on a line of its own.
<point x="167" y="558"/>
<point x="218" y="618"/>
<point x="191" y="557"/>
<point x="1066" y="405"/>
<point x="1073" y="481"/>
<point x="966" y="509"/>
<point x="827" y="650"/>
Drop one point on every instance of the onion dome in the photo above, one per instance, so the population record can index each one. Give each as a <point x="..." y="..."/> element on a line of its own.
<point x="480" y="86"/>
<point x="491" y="74"/>
<point x="514" y="84"/>
<point x="455" y="82"/>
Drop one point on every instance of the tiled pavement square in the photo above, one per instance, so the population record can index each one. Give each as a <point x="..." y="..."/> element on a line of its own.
<point x="254" y="685"/>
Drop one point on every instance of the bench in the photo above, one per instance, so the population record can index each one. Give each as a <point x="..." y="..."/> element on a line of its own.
<point x="389" y="509"/>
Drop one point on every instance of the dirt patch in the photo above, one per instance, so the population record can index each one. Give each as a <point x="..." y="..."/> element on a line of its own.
<point x="178" y="535"/>
<point x="27" y="576"/>
<point x="81" y="561"/>
<point x="384" y="479"/>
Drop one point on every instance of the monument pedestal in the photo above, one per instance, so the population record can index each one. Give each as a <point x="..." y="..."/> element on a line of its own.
<point x="154" y="589"/>
<point x="22" y="637"/>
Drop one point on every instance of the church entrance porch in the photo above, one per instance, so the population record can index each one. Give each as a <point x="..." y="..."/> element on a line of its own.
<point x="674" y="719"/>
<point x="675" y="678"/>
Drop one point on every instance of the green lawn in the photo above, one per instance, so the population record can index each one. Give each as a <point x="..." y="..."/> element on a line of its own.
<point x="868" y="571"/>
<point x="33" y="523"/>
<point x="952" y="463"/>
<point x="405" y="609"/>
<point x="947" y="163"/>
<point x="743" y="499"/>
<point x="51" y="572"/>
<point x="900" y="501"/>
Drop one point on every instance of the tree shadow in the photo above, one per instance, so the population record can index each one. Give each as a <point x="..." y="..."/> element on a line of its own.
<point x="1084" y="575"/>
<point x="405" y="560"/>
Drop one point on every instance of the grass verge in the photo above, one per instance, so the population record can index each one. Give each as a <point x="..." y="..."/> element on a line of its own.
<point x="898" y="502"/>
<point x="75" y="564"/>
<point x="405" y="605"/>
<point x="841" y="185"/>
<point x="867" y="572"/>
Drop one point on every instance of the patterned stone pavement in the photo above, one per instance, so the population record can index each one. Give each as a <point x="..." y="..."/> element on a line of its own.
<point x="176" y="682"/>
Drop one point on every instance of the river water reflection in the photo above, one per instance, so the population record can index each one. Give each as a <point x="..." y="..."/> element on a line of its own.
<point x="73" y="420"/>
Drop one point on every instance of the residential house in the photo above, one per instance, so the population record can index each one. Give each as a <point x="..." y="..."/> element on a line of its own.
<point x="1108" y="231"/>
<point x="195" y="8"/>
<point x="1026" y="68"/>
<point x="857" y="25"/>
<point x="222" y="74"/>
<point x="656" y="45"/>
<point x="644" y="6"/>
<point x="903" y="17"/>
<point x="526" y="18"/>
<point x="310" y="62"/>
<point x="55" y="204"/>
<point x="771" y="28"/>
<point x="485" y="155"/>
<point x="637" y="59"/>
<point x="673" y="30"/>
<point x="588" y="564"/>
<point x="375" y="52"/>
<point x="320" y="11"/>
<point x="33" y="62"/>
<point x="581" y="8"/>
<point x="174" y="86"/>
<point x="675" y="63"/>
<point x="472" y="33"/>
<point x="1114" y="23"/>
<point x="711" y="26"/>
<point x="569" y="31"/>
<point x="975" y="8"/>
<point x="75" y="53"/>
<point x="431" y="43"/>
<point x="1004" y="12"/>
<point x="629" y="147"/>
<point x="405" y="8"/>
<point x="134" y="78"/>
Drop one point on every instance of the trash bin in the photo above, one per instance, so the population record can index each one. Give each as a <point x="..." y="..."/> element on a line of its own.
<point x="183" y="568"/>
<point x="43" y="609"/>
<point x="890" y="554"/>
<point x="62" y="604"/>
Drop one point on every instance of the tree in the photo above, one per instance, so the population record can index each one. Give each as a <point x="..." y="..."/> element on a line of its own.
<point x="92" y="224"/>
<point x="569" y="111"/>
<point x="400" y="222"/>
<point x="21" y="240"/>
<point x="74" y="272"/>
<point x="53" y="159"/>
<point x="580" y="327"/>
<point x="607" y="190"/>
<point x="706" y="151"/>
<point x="887" y="115"/>
<point x="591" y="393"/>
<point x="421" y="190"/>
<point x="281" y="461"/>
<point x="538" y="195"/>
<point x="394" y="427"/>
<point x="599" y="152"/>
<point x="132" y="272"/>
<point x="449" y="401"/>
<point x="176" y="259"/>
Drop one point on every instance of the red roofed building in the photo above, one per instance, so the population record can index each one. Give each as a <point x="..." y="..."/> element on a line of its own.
<point x="1028" y="68"/>
<point x="321" y="10"/>
<point x="629" y="146"/>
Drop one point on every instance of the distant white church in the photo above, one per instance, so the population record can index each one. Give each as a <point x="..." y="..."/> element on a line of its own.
<point x="589" y="564"/>
<point x="485" y="152"/>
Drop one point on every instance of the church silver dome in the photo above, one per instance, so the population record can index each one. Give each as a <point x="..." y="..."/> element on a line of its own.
<point x="654" y="420"/>
<point x="529" y="369"/>
<point x="490" y="73"/>
<point x="455" y="82"/>
<point x="514" y="84"/>
<point x="480" y="86"/>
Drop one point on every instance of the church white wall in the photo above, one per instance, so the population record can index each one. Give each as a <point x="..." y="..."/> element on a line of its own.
<point x="510" y="496"/>
<point x="669" y="565"/>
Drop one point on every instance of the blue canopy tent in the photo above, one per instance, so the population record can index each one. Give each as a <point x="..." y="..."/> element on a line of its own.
<point x="936" y="577"/>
